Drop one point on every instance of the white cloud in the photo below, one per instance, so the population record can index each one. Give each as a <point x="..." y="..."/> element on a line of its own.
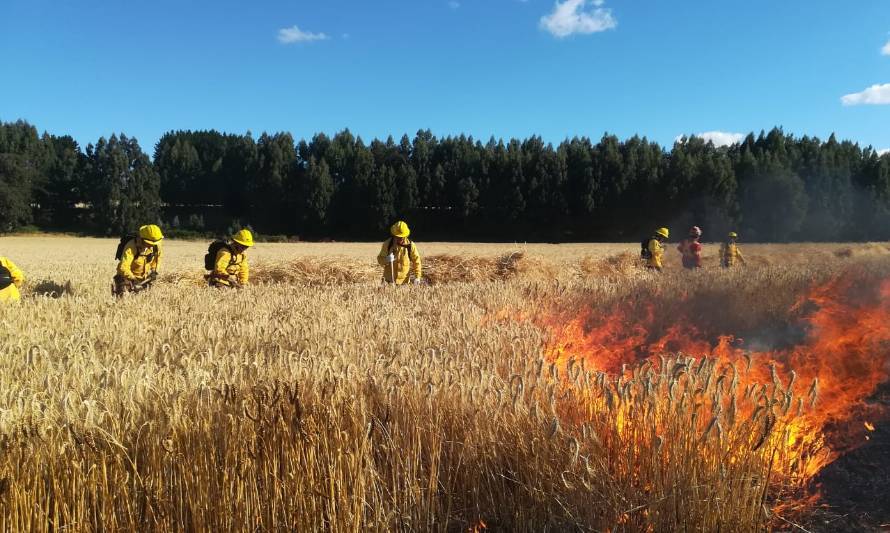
<point x="453" y="4"/>
<point x="296" y="35"/>
<point x="886" y="50"/>
<point x="719" y="138"/>
<point x="874" y="95"/>
<point x="578" y="16"/>
<point x="884" y="151"/>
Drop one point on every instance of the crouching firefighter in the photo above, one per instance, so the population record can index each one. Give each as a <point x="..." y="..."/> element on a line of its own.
<point x="11" y="279"/>
<point x="399" y="257"/>
<point x="139" y="258"/>
<point x="227" y="261"/>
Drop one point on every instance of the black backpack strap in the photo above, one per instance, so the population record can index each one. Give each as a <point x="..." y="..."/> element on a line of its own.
<point x="393" y="246"/>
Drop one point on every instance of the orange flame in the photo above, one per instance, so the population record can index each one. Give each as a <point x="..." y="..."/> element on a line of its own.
<point x="843" y="357"/>
<point x="478" y="527"/>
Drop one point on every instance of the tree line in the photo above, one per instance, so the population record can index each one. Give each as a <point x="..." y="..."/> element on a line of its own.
<point x="771" y="187"/>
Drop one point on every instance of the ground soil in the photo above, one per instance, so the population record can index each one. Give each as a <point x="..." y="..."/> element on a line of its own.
<point x="856" y="488"/>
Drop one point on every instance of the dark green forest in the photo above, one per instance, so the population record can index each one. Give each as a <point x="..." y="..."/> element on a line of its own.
<point x="771" y="187"/>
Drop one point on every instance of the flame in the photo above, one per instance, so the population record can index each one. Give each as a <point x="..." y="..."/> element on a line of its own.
<point x="843" y="356"/>
<point x="478" y="527"/>
<point x="869" y="426"/>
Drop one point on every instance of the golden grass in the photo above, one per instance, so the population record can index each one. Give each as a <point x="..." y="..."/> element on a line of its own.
<point x="316" y="400"/>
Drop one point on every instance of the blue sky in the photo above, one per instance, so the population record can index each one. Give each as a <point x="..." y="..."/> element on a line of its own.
<point x="482" y="67"/>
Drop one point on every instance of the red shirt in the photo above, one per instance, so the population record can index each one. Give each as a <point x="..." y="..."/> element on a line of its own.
<point x="691" y="250"/>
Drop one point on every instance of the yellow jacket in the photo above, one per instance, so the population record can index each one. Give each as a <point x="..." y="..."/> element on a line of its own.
<point x="729" y="254"/>
<point x="656" y="254"/>
<point x="407" y="261"/>
<point x="228" y="264"/>
<point x="137" y="263"/>
<point x="11" y="293"/>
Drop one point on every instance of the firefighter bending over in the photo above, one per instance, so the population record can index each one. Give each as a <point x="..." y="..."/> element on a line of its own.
<point x="139" y="258"/>
<point x="227" y="261"/>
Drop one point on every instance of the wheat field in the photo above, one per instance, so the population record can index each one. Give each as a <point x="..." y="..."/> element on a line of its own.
<point x="317" y="400"/>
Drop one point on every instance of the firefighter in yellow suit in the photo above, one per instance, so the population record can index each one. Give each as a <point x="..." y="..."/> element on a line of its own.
<point x="729" y="251"/>
<point x="139" y="261"/>
<point x="655" y="259"/>
<point x="11" y="279"/>
<point x="399" y="257"/>
<point x="231" y="269"/>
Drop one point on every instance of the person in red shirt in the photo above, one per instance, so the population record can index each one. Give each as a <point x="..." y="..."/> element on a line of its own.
<point x="690" y="247"/>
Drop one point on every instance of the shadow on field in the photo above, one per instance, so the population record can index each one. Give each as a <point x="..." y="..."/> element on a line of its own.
<point x="870" y="249"/>
<point x="52" y="289"/>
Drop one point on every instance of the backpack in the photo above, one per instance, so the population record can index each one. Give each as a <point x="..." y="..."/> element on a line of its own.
<point x="5" y="277"/>
<point x="644" y="249"/>
<point x="212" y="250"/>
<point x="123" y="244"/>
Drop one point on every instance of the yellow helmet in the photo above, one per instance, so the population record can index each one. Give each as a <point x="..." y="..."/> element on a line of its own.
<point x="663" y="232"/>
<point x="151" y="234"/>
<point x="244" y="238"/>
<point x="733" y="235"/>
<point x="400" y="229"/>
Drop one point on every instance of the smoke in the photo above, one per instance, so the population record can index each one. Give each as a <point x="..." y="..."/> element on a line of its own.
<point x="778" y="205"/>
<point x="713" y="219"/>
<point x="870" y="217"/>
<point x="763" y="311"/>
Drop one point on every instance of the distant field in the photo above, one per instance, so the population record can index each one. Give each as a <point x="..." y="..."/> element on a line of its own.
<point x="63" y="258"/>
<point x="530" y="387"/>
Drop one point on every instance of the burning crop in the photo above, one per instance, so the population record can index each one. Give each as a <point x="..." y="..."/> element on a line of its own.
<point x="790" y="403"/>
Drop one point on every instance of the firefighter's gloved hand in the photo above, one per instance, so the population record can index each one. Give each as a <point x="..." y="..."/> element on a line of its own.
<point x="417" y="281"/>
<point x="391" y="258"/>
<point x="153" y="276"/>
